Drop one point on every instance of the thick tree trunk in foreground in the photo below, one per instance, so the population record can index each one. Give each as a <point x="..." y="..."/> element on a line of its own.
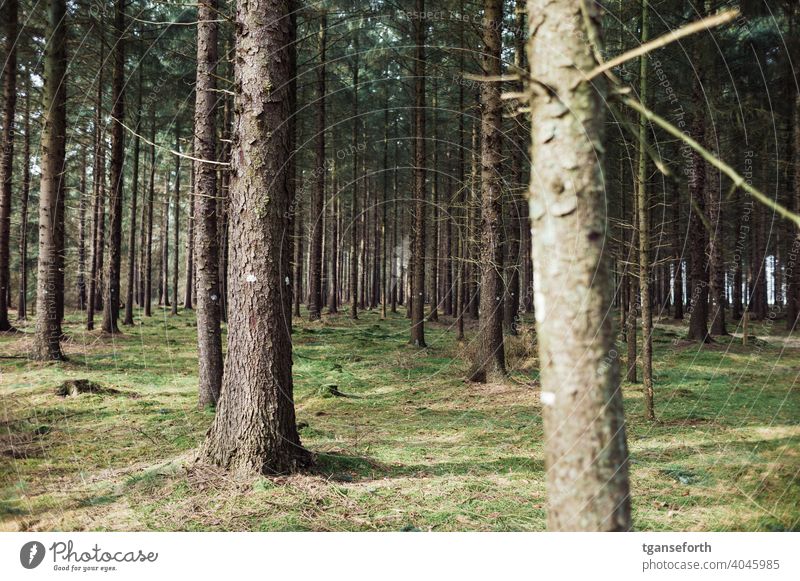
<point x="111" y="299"/>
<point x="209" y="335"/>
<point x="254" y="428"/>
<point x="585" y="446"/>
<point x="490" y="361"/>
<point x="7" y="156"/>
<point x="417" y="297"/>
<point x="47" y="341"/>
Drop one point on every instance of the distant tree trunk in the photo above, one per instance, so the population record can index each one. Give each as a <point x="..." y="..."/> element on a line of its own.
<point x="435" y="243"/>
<point x="354" y="202"/>
<point x="209" y="334"/>
<point x="98" y="191"/>
<point x="643" y="213"/>
<point x="717" y="267"/>
<point x="419" y="136"/>
<point x="793" y="281"/>
<point x="222" y="209"/>
<point x="586" y="456"/>
<point x="134" y="201"/>
<point x="163" y="287"/>
<point x="677" y="280"/>
<point x="318" y="197"/>
<point x="516" y="236"/>
<point x="490" y="361"/>
<point x="151" y="187"/>
<point x="333" y="253"/>
<point x="112" y="295"/>
<point x="298" y="254"/>
<point x="394" y="269"/>
<point x="7" y="156"/>
<point x="254" y="429"/>
<point x="47" y="340"/>
<point x="188" y="289"/>
<point x="22" y="305"/>
<point x="462" y="213"/>
<point x="474" y="219"/>
<point x="176" y="213"/>
<point x="698" y="330"/>
<point x="384" y="206"/>
<point x="82" y="206"/>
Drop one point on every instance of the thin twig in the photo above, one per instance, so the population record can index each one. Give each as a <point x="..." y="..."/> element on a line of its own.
<point x="710" y="22"/>
<point x="738" y="181"/>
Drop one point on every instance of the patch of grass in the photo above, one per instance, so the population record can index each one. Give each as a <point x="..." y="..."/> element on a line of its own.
<point x="413" y="447"/>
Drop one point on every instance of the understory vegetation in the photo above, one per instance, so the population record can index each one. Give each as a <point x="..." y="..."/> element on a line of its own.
<point x="401" y="441"/>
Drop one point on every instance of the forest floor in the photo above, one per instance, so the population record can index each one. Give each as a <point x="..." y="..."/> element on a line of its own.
<point x="410" y="447"/>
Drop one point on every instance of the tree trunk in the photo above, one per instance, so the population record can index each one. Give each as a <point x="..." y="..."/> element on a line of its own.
<point x="643" y="213"/>
<point x="7" y="156"/>
<point x="163" y="286"/>
<point x="354" y="202"/>
<point x="188" y="289"/>
<point x="586" y="455"/>
<point x="176" y="214"/>
<point x="151" y="187"/>
<point x="516" y="235"/>
<point x="22" y="304"/>
<point x="47" y="341"/>
<point x="318" y="197"/>
<point x="299" y="236"/>
<point x="254" y="428"/>
<point x="677" y="280"/>
<point x="98" y="190"/>
<point x="209" y="334"/>
<point x="417" y="297"/>
<point x="134" y="201"/>
<point x="698" y="317"/>
<point x="112" y="295"/>
<point x="82" y="207"/>
<point x="716" y="265"/>
<point x="490" y="361"/>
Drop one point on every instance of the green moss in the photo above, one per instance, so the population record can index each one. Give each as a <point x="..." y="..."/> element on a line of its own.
<point x="413" y="447"/>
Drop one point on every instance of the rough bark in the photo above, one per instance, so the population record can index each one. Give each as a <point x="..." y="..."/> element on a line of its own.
<point x="209" y="334"/>
<point x="254" y="428"/>
<point x="47" y="340"/>
<point x="112" y="296"/>
<point x="132" y="266"/>
<point x="98" y="192"/>
<point x="490" y="361"/>
<point x="176" y="215"/>
<point x="22" y="304"/>
<point x="7" y="155"/>
<point x="586" y="453"/>
<point x="417" y="297"/>
<point x="318" y="197"/>
<point x="698" y="288"/>
<point x="353" y="274"/>
<point x="148" y="254"/>
<point x="188" y="288"/>
<point x="643" y="226"/>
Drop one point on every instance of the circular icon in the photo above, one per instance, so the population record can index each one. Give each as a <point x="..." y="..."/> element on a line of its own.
<point x="31" y="554"/>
